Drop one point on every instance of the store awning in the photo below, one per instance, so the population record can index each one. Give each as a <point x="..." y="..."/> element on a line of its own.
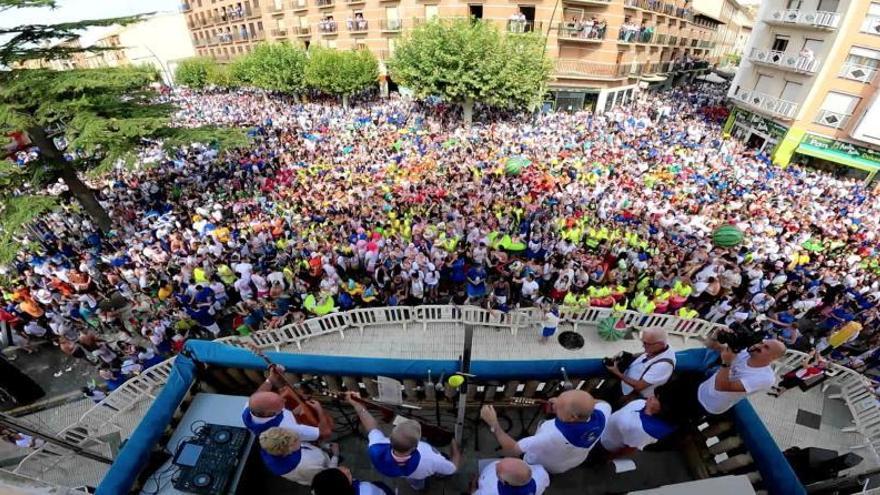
<point x="653" y="78"/>
<point x="838" y="157"/>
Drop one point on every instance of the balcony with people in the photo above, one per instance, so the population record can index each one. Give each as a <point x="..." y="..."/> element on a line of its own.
<point x="590" y="30"/>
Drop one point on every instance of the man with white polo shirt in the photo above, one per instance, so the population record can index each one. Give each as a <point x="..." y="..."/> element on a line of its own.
<point x="265" y="409"/>
<point x="648" y="370"/>
<point x="512" y="476"/>
<point x="285" y="455"/>
<point x="741" y="374"/>
<point x="560" y="444"/>
<point x="403" y="454"/>
<point x="635" y="426"/>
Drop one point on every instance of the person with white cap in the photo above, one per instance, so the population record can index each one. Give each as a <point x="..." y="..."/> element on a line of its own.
<point x="403" y="454"/>
<point x="512" y="476"/>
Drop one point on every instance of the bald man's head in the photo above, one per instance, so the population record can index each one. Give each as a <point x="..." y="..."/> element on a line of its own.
<point x="513" y="471"/>
<point x="574" y="405"/>
<point x="766" y="352"/>
<point x="265" y="404"/>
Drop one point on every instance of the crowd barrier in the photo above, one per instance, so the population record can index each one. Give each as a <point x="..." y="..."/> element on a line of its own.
<point x="113" y="414"/>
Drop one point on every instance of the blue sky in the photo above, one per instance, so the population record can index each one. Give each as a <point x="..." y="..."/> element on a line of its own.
<point x="76" y="10"/>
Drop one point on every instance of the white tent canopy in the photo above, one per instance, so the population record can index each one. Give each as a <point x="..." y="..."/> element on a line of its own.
<point x="713" y="78"/>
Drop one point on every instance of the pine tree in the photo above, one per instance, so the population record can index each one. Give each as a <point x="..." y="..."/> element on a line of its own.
<point x="78" y="119"/>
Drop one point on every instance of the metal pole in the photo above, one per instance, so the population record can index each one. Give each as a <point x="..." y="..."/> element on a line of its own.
<point x="462" y="391"/>
<point x="12" y="423"/>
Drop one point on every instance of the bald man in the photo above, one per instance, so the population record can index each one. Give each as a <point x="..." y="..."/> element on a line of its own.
<point x="265" y="409"/>
<point x="740" y="375"/>
<point x="560" y="444"/>
<point x="512" y="476"/>
<point x="403" y="454"/>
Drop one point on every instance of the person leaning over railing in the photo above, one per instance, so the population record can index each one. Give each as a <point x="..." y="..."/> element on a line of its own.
<point x="403" y="454"/>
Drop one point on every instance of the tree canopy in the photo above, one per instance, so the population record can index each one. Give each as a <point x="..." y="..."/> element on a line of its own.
<point x="198" y="72"/>
<point x="341" y="72"/>
<point x="273" y="67"/>
<point x="77" y="120"/>
<point x="464" y="61"/>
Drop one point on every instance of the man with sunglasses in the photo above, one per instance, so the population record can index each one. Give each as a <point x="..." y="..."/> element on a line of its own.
<point x="741" y="374"/>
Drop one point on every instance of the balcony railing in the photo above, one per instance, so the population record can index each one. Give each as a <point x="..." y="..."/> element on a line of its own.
<point x="275" y="9"/>
<point x="518" y="26"/>
<point x="594" y="70"/>
<point x="601" y="3"/>
<point x="871" y="25"/>
<point x="302" y="31"/>
<point x="782" y="60"/>
<point x="672" y="41"/>
<point x="328" y="27"/>
<point x="391" y="25"/>
<point x="832" y="119"/>
<point x="357" y="25"/>
<point x="279" y="33"/>
<point x="805" y="18"/>
<point x="766" y="103"/>
<point x="355" y="2"/>
<point x="324" y="4"/>
<point x="584" y="34"/>
<point x="857" y="72"/>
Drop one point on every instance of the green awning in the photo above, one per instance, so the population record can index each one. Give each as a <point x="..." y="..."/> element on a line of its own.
<point x="838" y="157"/>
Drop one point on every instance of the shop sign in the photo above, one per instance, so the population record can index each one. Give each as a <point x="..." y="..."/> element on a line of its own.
<point x="850" y="149"/>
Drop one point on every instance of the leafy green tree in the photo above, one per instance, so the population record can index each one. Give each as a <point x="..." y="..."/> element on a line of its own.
<point x="79" y="120"/>
<point x="464" y="61"/>
<point x="341" y="73"/>
<point x="273" y="67"/>
<point x="194" y="72"/>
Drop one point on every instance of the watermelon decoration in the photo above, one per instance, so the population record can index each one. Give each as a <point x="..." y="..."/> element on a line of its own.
<point x="727" y="236"/>
<point x="612" y="328"/>
<point x="515" y="165"/>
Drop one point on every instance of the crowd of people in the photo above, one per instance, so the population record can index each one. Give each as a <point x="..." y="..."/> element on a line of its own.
<point x="389" y="203"/>
<point x="588" y="28"/>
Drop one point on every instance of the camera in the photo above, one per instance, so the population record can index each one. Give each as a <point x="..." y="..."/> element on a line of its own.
<point x="739" y="337"/>
<point x="622" y="359"/>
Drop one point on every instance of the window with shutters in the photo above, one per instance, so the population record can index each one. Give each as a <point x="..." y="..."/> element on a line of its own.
<point x="837" y="109"/>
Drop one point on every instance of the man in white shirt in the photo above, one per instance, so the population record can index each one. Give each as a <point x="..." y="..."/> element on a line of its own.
<point x="635" y="426"/>
<point x="561" y="444"/>
<point x="741" y="374"/>
<point x="649" y="370"/>
<point x="285" y="455"/>
<point x="403" y="454"/>
<point x="511" y="476"/>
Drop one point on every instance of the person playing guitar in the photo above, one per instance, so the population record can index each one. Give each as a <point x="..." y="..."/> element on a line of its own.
<point x="277" y="403"/>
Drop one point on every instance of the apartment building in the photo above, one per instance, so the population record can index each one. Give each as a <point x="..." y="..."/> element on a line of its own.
<point x="806" y="89"/>
<point x="735" y="25"/>
<point x="603" y="50"/>
<point x="160" y="40"/>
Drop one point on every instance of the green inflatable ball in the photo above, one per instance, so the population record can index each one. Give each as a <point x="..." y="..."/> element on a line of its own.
<point x="727" y="236"/>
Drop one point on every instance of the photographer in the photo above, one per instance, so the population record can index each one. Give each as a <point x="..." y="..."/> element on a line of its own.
<point x="741" y="374"/>
<point x="646" y="371"/>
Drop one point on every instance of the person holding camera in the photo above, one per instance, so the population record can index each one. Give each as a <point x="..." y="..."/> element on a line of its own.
<point x="646" y="371"/>
<point x="741" y="374"/>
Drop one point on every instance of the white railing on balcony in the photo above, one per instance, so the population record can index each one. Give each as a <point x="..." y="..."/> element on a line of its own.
<point x="806" y="18"/>
<point x="836" y="120"/>
<point x="785" y="61"/>
<point x="858" y="72"/>
<point x="871" y="25"/>
<point x="766" y="103"/>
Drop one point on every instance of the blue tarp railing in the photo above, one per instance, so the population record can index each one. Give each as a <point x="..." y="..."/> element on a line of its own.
<point x="778" y="476"/>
